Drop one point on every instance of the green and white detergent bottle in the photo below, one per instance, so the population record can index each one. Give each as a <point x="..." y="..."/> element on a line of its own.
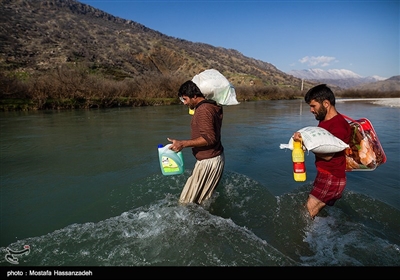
<point x="171" y="162"/>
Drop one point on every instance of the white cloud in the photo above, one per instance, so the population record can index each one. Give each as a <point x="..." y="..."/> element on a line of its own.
<point x="322" y="61"/>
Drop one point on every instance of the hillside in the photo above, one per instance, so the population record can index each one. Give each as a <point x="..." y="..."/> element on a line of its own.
<point x="58" y="54"/>
<point x="39" y="35"/>
<point x="391" y="84"/>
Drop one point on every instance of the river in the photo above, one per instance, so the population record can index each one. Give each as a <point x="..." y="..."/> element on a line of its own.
<point x="84" y="188"/>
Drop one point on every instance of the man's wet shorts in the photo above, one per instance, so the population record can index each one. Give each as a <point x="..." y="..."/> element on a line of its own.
<point x="328" y="188"/>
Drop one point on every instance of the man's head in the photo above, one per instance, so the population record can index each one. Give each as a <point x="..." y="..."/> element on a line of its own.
<point x="320" y="93"/>
<point x="321" y="99"/>
<point x="190" y="94"/>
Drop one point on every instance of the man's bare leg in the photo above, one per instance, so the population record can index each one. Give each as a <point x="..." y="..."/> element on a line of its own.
<point x="314" y="205"/>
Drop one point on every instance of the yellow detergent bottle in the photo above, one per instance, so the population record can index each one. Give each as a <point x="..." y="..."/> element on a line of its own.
<point x="299" y="167"/>
<point x="171" y="163"/>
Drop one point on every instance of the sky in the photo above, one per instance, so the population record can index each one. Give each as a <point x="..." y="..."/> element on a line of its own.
<point x="360" y="36"/>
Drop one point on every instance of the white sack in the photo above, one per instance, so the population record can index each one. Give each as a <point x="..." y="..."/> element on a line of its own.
<point x="318" y="140"/>
<point x="215" y="86"/>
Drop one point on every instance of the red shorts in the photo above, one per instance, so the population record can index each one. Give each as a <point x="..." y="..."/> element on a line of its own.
<point x="328" y="188"/>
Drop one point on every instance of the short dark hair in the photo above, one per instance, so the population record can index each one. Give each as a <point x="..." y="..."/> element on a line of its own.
<point x="320" y="93"/>
<point x="190" y="89"/>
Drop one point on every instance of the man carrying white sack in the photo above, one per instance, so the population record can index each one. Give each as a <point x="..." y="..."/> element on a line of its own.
<point x="206" y="145"/>
<point x="330" y="180"/>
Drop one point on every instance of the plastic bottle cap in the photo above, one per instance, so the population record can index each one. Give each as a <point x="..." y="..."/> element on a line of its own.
<point x="160" y="145"/>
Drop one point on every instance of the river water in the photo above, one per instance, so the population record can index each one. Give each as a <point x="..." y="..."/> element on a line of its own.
<point x="84" y="188"/>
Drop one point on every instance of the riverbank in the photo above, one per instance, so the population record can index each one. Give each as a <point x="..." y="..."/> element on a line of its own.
<point x="69" y="104"/>
<point x="29" y="105"/>
<point x="389" y="102"/>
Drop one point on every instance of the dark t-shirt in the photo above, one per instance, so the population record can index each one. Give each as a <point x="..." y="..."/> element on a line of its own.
<point x="340" y="128"/>
<point x="206" y="122"/>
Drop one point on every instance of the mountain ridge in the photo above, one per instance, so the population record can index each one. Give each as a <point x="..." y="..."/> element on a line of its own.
<point x="342" y="78"/>
<point x="36" y="38"/>
<point x="38" y="35"/>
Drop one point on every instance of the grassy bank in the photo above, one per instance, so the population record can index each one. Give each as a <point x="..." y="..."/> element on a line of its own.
<point x="77" y="88"/>
<point x="65" y="104"/>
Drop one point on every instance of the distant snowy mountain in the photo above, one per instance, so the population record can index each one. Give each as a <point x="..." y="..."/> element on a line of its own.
<point x="339" y="77"/>
<point x="392" y="84"/>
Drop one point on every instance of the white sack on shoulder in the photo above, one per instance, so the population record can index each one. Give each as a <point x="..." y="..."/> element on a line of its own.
<point x="215" y="86"/>
<point x="318" y="140"/>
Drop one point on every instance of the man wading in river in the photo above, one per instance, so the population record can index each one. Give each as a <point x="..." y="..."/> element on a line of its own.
<point x="330" y="180"/>
<point x="205" y="142"/>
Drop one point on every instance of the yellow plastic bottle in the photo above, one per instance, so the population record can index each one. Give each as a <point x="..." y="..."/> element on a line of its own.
<point x="299" y="167"/>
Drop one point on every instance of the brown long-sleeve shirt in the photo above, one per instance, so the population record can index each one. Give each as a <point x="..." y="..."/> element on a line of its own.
<point x="207" y="122"/>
